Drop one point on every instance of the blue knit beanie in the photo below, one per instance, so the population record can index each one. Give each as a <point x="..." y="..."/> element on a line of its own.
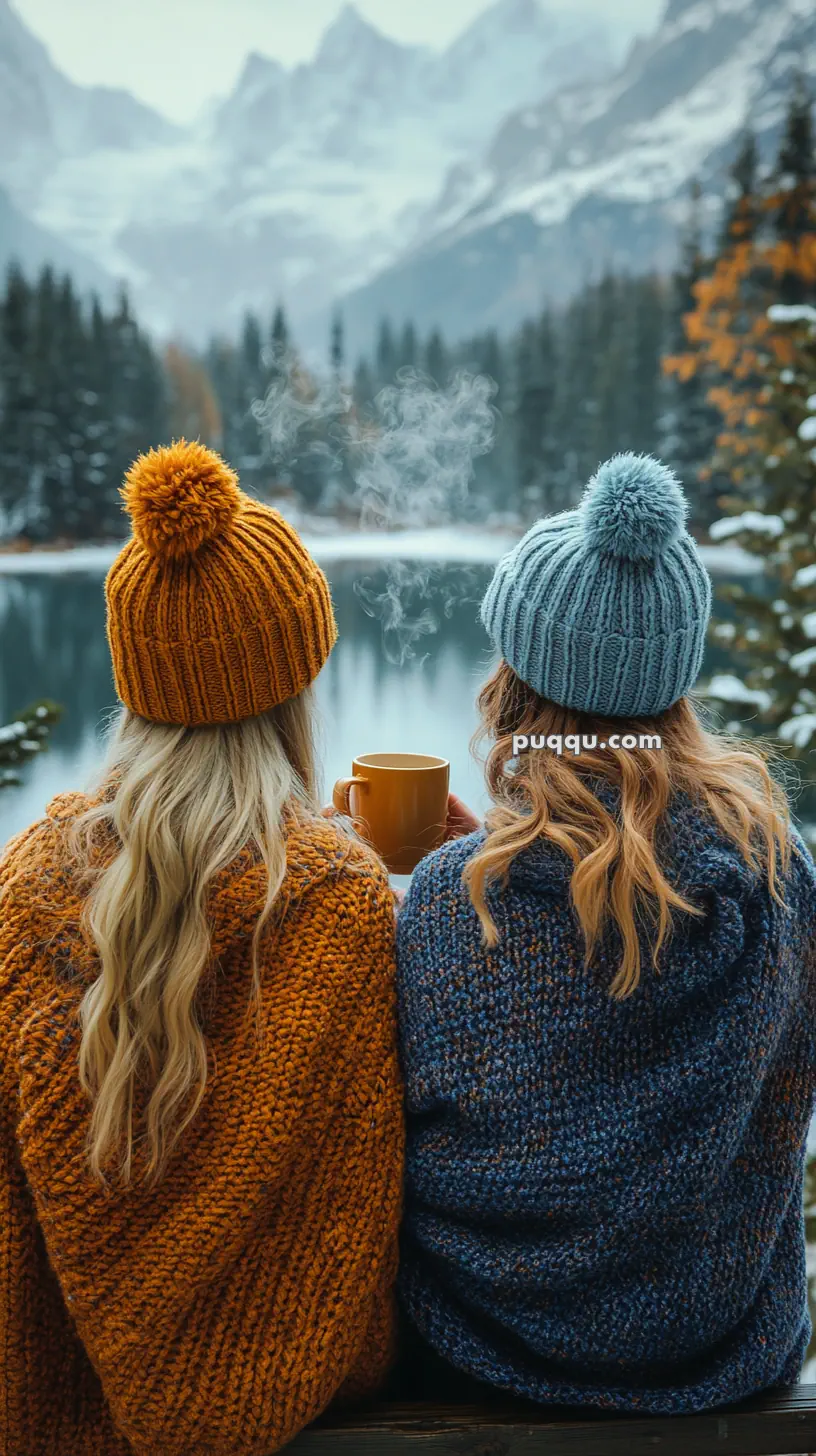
<point x="605" y="608"/>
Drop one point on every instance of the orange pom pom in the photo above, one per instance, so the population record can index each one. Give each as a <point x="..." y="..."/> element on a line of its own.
<point x="178" y="497"/>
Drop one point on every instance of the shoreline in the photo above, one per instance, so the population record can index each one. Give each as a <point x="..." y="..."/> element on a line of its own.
<point x="464" y="545"/>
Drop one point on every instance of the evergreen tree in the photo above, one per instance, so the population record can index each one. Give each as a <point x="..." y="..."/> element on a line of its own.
<point x="25" y="737"/>
<point x="18" y="401"/>
<point x="364" y="387"/>
<point x="223" y="367"/>
<point x="104" y="455"/>
<point x="251" y="345"/>
<point x="534" y="396"/>
<point x="575" y="404"/>
<point x="646" y="300"/>
<point x="340" y="413"/>
<point x="792" y="203"/>
<point x="690" y="424"/>
<point x="279" y="334"/>
<point x="742" y="211"/>
<point x="436" y="359"/>
<point x="149" y="395"/>
<point x="555" y="497"/>
<point x="407" y="354"/>
<point x="254" y="376"/>
<point x="64" y="500"/>
<point x="773" y="634"/>
<point x="337" y="353"/>
<point x="608" y="367"/>
<point x="386" y="356"/>
<point x="493" y="473"/>
<point x="120" y="399"/>
<point x="277" y="356"/>
<point x="82" y="394"/>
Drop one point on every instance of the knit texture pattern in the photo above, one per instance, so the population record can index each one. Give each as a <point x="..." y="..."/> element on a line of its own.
<point x="604" y="609"/>
<point x="604" y="1200"/>
<point x="216" y="612"/>
<point x="218" y="1313"/>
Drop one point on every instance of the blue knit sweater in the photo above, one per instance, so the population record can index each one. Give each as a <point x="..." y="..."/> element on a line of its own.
<point x="604" y="1199"/>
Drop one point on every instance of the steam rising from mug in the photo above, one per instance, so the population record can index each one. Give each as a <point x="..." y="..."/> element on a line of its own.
<point x="411" y="461"/>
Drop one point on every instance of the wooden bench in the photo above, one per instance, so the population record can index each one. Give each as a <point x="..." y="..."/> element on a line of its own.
<point x="783" y="1424"/>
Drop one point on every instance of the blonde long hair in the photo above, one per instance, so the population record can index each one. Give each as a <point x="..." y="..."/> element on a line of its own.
<point x="616" y="875"/>
<point x="175" y="807"/>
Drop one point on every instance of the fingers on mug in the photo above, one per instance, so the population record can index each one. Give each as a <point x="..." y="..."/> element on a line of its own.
<point x="342" y="791"/>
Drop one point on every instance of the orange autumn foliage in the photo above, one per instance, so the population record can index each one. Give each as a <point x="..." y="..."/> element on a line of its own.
<point x="194" y="410"/>
<point x="731" y="339"/>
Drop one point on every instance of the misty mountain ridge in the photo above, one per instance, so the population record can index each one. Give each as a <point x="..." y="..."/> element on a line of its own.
<point x="45" y="117"/>
<point x="458" y="188"/>
<point x="301" y="183"/>
<point x="597" y="175"/>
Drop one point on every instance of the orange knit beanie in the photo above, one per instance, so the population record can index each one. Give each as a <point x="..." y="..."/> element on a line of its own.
<point x="215" y="609"/>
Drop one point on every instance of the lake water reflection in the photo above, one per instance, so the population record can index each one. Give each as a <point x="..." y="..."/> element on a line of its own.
<point x="371" y="696"/>
<point x="52" y="644"/>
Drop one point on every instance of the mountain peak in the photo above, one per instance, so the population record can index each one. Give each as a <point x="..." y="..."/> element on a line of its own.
<point x="348" y="29"/>
<point x="500" y="23"/>
<point x="259" y="68"/>
<point x="519" y="13"/>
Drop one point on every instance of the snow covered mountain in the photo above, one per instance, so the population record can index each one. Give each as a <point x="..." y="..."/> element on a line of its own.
<point x="44" y="117"/>
<point x="596" y="174"/>
<point x="22" y="240"/>
<point x="303" y="183"/>
<point x="457" y="188"/>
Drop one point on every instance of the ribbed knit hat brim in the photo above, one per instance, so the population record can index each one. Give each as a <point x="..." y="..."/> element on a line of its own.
<point x="603" y="673"/>
<point x="225" y="678"/>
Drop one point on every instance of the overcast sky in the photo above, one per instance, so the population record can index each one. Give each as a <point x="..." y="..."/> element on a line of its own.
<point x="176" y="54"/>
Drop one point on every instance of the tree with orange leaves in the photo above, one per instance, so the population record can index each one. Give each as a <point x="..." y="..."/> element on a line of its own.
<point x="768" y="255"/>
<point x="194" y="409"/>
<point x="689" y="423"/>
<point x="754" y="327"/>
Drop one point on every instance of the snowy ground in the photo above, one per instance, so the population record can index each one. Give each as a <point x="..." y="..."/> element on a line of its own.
<point x="445" y="543"/>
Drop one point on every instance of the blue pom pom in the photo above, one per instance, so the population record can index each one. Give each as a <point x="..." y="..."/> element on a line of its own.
<point x="633" y="508"/>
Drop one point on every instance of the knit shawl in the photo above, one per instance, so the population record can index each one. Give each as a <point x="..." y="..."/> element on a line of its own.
<point x="220" y="1312"/>
<point x="604" y="1198"/>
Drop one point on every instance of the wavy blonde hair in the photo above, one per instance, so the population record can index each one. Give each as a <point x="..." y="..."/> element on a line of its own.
<point x="616" y="875"/>
<point x="175" y="807"/>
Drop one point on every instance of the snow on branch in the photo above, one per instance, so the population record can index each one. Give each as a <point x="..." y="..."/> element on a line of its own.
<point x="792" y="313"/>
<point x="806" y="575"/>
<point x="802" y="662"/>
<point x="798" y="731"/>
<point x="728" y="688"/>
<point x="748" y="521"/>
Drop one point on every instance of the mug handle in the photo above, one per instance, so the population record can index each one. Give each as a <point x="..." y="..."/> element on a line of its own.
<point x="342" y="789"/>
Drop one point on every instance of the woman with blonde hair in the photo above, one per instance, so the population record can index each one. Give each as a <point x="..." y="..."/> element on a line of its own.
<point x="201" y="1141"/>
<point x="607" y="1002"/>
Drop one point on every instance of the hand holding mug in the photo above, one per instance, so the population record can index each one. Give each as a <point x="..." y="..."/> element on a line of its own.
<point x="398" y="803"/>
<point x="461" y="820"/>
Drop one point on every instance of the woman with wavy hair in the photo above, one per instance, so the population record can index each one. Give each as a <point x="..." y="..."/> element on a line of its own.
<point x="201" y="1133"/>
<point x="607" y="1002"/>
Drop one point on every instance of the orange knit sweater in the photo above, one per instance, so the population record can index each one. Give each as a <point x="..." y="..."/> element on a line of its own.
<point x="221" y="1312"/>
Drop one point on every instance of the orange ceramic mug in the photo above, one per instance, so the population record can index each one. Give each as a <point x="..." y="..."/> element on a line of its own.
<point x="399" y="804"/>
